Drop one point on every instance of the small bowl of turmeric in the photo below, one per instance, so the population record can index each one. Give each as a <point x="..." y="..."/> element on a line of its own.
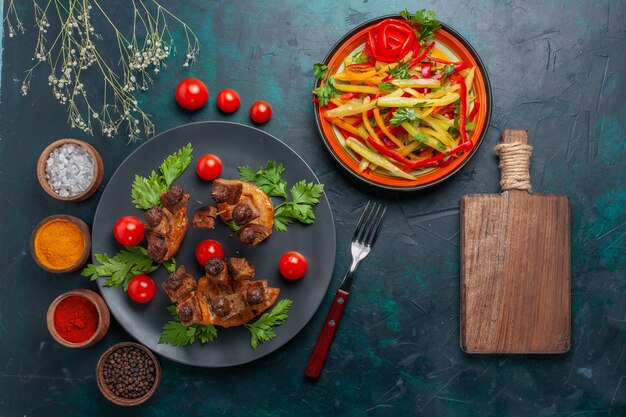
<point x="61" y="243"/>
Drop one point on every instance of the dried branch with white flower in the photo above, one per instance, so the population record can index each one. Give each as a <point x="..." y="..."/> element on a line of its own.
<point x="73" y="54"/>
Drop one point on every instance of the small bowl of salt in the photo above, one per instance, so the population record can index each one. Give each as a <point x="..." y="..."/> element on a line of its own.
<point x="70" y="170"/>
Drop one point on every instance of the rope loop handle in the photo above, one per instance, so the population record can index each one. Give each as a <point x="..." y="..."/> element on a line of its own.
<point x="514" y="165"/>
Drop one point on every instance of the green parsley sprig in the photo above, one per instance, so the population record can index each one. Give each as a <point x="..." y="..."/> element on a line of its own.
<point x="403" y="114"/>
<point x="424" y="23"/>
<point x="261" y="330"/>
<point x="386" y="87"/>
<point x="401" y="71"/>
<point x="146" y="191"/>
<point x="327" y="91"/>
<point x="304" y="195"/>
<point x="118" y="270"/>
<point x="175" y="333"/>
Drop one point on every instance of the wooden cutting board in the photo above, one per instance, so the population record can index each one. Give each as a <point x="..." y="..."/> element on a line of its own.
<point x="515" y="269"/>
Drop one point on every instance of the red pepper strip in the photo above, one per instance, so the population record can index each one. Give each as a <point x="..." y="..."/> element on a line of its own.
<point x="369" y="114"/>
<point x="315" y="100"/>
<point x="426" y="70"/>
<point x="357" y="122"/>
<point x="424" y="90"/>
<point x="387" y="78"/>
<point x="422" y="55"/>
<point x="396" y="130"/>
<point x="444" y="109"/>
<point x="437" y="76"/>
<point x="396" y="156"/>
<point x="414" y="77"/>
<point x="438" y="159"/>
<point x="474" y="111"/>
<point x="347" y="96"/>
<point x="386" y="141"/>
<point x="463" y="110"/>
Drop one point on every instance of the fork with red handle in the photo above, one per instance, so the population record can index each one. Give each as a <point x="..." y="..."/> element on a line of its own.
<point x="364" y="238"/>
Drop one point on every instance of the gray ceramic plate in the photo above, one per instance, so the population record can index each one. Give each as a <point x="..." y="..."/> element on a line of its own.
<point x="236" y="145"/>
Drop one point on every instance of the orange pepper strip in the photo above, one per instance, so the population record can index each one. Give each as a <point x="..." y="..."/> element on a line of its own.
<point x="381" y="124"/>
<point x="345" y="126"/>
<point x="369" y="129"/>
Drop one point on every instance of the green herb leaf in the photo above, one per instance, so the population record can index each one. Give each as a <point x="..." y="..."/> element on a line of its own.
<point x="326" y="91"/>
<point x="175" y="164"/>
<point x="448" y="69"/>
<point x="421" y="137"/>
<point x="233" y="226"/>
<point x="304" y="196"/>
<point x="402" y="70"/>
<point x="146" y="191"/>
<point x="269" y="179"/>
<point x="170" y="266"/>
<point x="119" y="269"/>
<point x="403" y="114"/>
<point x="386" y="87"/>
<point x="320" y="70"/>
<point x="359" y="58"/>
<point x="424" y="22"/>
<point x="176" y="334"/>
<point x="261" y="330"/>
<point x="470" y="126"/>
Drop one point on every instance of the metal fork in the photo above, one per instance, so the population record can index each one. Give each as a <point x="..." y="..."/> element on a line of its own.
<point x="363" y="240"/>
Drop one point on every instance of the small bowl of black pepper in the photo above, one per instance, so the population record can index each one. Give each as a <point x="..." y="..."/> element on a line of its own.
<point x="128" y="374"/>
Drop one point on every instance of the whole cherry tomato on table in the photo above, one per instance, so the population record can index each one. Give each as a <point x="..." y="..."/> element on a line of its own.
<point x="129" y="231"/>
<point x="292" y="265"/>
<point x="261" y="111"/>
<point x="209" y="167"/>
<point x="228" y="100"/>
<point x="141" y="289"/>
<point x="192" y="94"/>
<point x="207" y="249"/>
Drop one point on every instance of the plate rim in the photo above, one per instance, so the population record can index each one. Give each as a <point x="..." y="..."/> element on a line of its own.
<point x="479" y="141"/>
<point x="333" y="247"/>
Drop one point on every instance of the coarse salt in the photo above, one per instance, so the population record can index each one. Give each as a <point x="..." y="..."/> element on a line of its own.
<point x="69" y="170"/>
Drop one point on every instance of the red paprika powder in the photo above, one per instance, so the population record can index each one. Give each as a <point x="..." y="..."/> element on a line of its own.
<point x="76" y="319"/>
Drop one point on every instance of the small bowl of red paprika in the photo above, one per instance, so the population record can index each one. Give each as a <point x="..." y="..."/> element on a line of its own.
<point x="78" y="318"/>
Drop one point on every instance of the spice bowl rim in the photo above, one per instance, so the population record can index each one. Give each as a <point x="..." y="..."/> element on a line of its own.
<point x="98" y="169"/>
<point x="84" y="229"/>
<point x="104" y="317"/>
<point x="115" y="399"/>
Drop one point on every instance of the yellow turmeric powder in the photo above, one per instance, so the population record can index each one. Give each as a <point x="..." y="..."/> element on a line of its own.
<point x="59" y="244"/>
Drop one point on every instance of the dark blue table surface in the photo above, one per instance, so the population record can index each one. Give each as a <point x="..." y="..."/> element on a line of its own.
<point x="556" y="68"/>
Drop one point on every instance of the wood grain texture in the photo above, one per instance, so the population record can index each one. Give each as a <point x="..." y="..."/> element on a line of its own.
<point x="515" y="272"/>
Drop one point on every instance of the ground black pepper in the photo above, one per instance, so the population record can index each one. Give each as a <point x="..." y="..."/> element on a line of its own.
<point x="129" y="372"/>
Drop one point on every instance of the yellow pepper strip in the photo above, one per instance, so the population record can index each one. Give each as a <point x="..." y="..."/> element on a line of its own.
<point x="413" y="93"/>
<point x="350" y="109"/>
<point x="443" y="120"/>
<point x="407" y="149"/>
<point x="426" y="140"/>
<point x="443" y="134"/>
<point x="377" y="158"/>
<point x="374" y="80"/>
<point x="427" y="112"/>
<point x="369" y="128"/>
<point x="347" y="127"/>
<point x="387" y="101"/>
<point x="416" y="83"/>
<point x="380" y="123"/>
<point x="354" y="76"/>
<point x="337" y="102"/>
<point x="437" y="136"/>
<point x="443" y="91"/>
<point x="357" y="88"/>
<point x="469" y="80"/>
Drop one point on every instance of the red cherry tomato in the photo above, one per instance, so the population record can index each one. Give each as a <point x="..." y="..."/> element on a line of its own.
<point x="209" y="167"/>
<point x="192" y="94"/>
<point x="292" y="265"/>
<point x="208" y="249"/>
<point x="228" y="100"/>
<point x="141" y="289"/>
<point x="128" y="231"/>
<point x="260" y="112"/>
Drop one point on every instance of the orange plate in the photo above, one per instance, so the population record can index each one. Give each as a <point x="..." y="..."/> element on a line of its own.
<point x="448" y="42"/>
